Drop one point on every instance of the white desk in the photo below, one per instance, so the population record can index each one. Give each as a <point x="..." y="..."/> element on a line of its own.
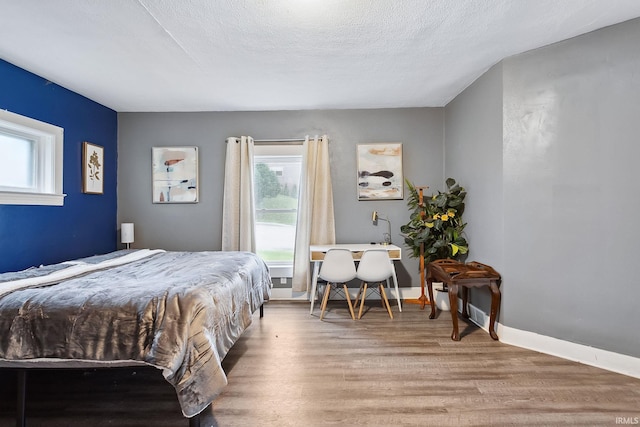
<point x="317" y="252"/>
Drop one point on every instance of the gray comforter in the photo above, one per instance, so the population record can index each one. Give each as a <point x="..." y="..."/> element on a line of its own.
<point x="178" y="311"/>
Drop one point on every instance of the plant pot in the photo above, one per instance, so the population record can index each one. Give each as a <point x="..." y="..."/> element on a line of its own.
<point x="442" y="299"/>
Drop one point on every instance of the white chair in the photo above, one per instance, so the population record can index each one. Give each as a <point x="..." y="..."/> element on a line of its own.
<point x="375" y="267"/>
<point x="337" y="268"/>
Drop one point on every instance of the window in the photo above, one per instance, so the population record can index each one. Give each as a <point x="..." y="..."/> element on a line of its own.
<point x="30" y="161"/>
<point x="276" y="184"/>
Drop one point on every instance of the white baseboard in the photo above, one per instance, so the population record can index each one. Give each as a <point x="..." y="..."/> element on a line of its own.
<point x="592" y="356"/>
<point x="587" y="355"/>
<point x="286" y="294"/>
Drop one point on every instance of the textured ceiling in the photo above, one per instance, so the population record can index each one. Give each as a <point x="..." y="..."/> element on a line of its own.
<point x="238" y="55"/>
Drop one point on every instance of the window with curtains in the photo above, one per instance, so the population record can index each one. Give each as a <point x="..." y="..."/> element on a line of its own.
<point x="276" y="185"/>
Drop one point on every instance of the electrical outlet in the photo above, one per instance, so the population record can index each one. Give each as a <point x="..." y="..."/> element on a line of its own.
<point x="283" y="280"/>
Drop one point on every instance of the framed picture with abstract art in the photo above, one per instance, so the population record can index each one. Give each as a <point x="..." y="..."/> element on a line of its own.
<point x="175" y="174"/>
<point x="380" y="171"/>
<point x="92" y="168"/>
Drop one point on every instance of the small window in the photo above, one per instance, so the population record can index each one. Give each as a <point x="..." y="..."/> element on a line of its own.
<point x="30" y="161"/>
<point x="277" y="179"/>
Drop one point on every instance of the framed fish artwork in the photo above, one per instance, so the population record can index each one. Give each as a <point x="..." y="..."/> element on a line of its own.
<point x="380" y="171"/>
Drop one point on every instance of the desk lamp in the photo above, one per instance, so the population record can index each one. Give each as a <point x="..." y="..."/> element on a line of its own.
<point x="387" y="236"/>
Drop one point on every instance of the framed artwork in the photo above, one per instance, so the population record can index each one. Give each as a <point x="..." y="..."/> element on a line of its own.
<point x="175" y="174"/>
<point x="380" y="171"/>
<point x="92" y="168"/>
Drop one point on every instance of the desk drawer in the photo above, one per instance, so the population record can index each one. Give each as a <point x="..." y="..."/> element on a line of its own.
<point x="319" y="255"/>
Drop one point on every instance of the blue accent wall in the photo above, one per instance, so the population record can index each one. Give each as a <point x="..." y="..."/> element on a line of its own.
<point x="86" y="224"/>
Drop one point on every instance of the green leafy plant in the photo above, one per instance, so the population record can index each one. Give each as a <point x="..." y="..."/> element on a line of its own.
<point x="436" y="223"/>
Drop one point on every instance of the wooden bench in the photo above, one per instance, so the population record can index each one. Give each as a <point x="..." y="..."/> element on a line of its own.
<point x="457" y="274"/>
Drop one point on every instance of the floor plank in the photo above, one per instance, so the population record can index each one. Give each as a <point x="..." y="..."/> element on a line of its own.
<point x="291" y="369"/>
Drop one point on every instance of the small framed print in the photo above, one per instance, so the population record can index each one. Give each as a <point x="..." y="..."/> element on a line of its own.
<point x="92" y="168"/>
<point x="175" y="174"/>
<point x="380" y="171"/>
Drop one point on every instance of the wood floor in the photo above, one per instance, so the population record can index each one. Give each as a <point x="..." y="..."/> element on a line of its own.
<point x="291" y="369"/>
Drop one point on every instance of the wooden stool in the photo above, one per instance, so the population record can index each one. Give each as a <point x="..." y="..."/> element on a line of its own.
<point x="458" y="274"/>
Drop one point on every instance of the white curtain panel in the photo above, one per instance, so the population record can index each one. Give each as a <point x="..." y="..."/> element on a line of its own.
<point x="238" y="210"/>
<point x="316" y="222"/>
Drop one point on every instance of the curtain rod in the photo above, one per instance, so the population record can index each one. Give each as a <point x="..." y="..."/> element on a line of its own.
<point x="280" y="140"/>
<point x="284" y="141"/>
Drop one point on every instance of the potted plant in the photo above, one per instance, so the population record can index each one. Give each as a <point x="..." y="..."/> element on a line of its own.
<point x="435" y="228"/>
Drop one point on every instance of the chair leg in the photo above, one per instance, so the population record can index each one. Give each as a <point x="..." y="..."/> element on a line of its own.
<point x="325" y="298"/>
<point x="346" y="294"/>
<point x="395" y="284"/>
<point x="364" y="294"/>
<point x="357" y="301"/>
<point x="383" y="296"/>
<point x="389" y="287"/>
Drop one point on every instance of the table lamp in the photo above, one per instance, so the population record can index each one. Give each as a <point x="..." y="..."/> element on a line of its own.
<point x="126" y="233"/>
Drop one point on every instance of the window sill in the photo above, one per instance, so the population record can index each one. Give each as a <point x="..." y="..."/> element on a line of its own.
<point x="44" y="199"/>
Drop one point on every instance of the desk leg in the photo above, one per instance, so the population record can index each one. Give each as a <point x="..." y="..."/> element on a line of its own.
<point x="453" y="302"/>
<point x="395" y="283"/>
<point x="314" y="284"/>
<point x="495" y="303"/>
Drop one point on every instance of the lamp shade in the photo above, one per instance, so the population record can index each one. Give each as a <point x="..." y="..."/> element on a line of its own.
<point x="126" y="232"/>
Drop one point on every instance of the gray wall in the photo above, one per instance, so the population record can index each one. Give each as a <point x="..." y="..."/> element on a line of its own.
<point x="198" y="226"/>
<point x="473" y="145"/>
<point x="569" y="189"/>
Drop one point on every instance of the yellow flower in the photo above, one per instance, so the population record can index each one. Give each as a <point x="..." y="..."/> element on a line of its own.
<point x="444" y="217"/>
<point x="436" y="216"/>
<point x="429" y="224"/>
<point x="451" y="214"/>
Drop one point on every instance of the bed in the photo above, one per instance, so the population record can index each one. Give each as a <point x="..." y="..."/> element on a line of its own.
<point x="177" y="311"/>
